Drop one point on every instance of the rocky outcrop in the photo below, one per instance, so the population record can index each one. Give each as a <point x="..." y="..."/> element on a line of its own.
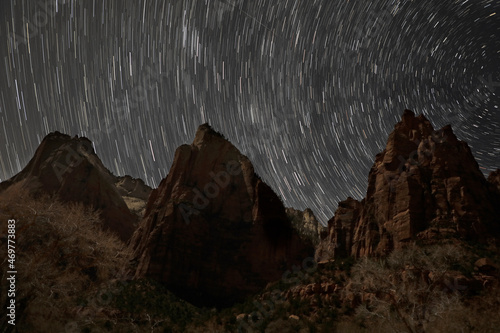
<point x="494" y="179"/>
<point x="425" y="185"/>
<point x="135" y="193"/>
<point x="213" y="231"/>
<point x="306" y="224"/>
<point x="132" y="187"/>
<point x="69" y="169"/>
<point x="340" y="232"/>
<point x="487" y="266"/>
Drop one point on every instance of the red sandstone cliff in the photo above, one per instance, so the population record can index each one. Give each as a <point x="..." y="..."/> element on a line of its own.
<point x="213" y="231"/>
<point x="425" y="185"/>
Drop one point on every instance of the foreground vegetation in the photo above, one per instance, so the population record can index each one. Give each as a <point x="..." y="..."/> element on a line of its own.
<point x="62" y="256"/>
<point x="72" y="277"/>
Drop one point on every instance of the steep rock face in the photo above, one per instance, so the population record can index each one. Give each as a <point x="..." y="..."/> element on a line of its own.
<point x="213" y="232"/>
<point x="306" y="224"/>
<point x="339" y="236"/>
<point x="69" y="169"/>
<point x="425" y="184"/>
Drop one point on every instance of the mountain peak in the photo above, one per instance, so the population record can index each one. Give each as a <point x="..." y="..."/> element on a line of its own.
<point x="65" y="138"/>
<point x="57" y="134"/>
<point x="412" y="122"/>
<point x="206" y="134"/>
<point x="425" y="185"/>
<point x="405" y="138"/>
<point x="408" y="116"/>
<point x="234" y="226"/>
<point x="68" y="168"/>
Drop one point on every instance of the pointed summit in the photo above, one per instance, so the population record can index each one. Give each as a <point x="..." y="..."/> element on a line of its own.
<point x="405" y="138"/>
<point x="425" y="185"/>
<point x="52" y="143"/>
<point x="69" y="169"/>
<point x="206" y="134"/>
<point x="214" y="232"/>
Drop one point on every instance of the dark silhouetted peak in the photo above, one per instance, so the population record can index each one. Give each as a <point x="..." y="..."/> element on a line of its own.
<point x="234" y="226"/>
<point x="306" y="224"/>
<point x="206" y="134"/>
<point x="68" y="168"/>
<point x="62" y="138"/>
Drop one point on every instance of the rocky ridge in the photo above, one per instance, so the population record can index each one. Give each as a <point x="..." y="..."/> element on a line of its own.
<point x="135" y="193"/>
<point x="425" y="185"/>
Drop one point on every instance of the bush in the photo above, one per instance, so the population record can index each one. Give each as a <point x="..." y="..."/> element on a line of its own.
<point x="398" y="291"/>
<point x="62" y="256"/>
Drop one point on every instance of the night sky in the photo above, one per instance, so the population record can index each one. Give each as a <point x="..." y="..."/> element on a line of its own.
<point x="308" y="89"/>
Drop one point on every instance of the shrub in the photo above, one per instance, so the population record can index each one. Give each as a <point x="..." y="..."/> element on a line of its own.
<point x="398" y="292"/>
<point x="62" y="256"/>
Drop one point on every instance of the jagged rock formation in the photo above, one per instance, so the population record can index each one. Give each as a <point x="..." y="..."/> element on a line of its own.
<point x="213" y="231"/>
<point x="340" y="231"/>
<point x="69" y="169"/>
<point x="426" y="184"/>
<point x="135" y="193"/>
<point x="306" y="224"/>
<point x="132" y="187"/>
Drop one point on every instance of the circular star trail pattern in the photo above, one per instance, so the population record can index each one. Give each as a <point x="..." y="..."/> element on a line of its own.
<point x="308" y="90"/>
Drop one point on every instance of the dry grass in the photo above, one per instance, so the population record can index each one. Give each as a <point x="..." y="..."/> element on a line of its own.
<point x="62" y="256"/>
<point x="408" y="292"/>
<point x="135" y="205"/>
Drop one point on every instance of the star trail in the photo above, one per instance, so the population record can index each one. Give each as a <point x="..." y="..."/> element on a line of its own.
<point x="307" y="89"/>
